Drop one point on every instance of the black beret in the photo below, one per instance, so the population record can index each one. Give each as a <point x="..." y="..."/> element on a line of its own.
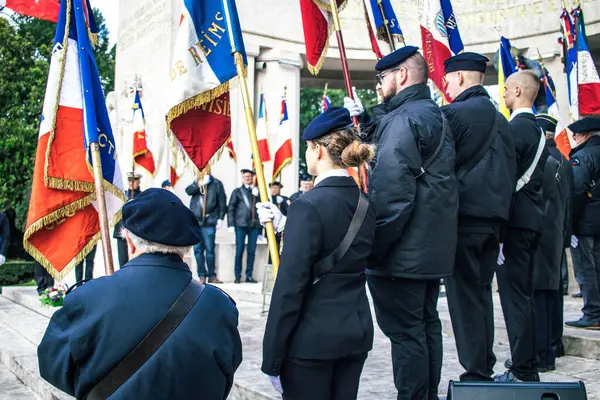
<point x="588" y="124"/>
<point x="335" y="118"/>
<point x="396" y="57"/>
<point x="466" y="62"/>
<point x="546" y="122"/>
<point x="276" y="183"/>
<point x="247" y="171"/>
<point x="165" y="183"/>
<point x="145" y="215"/>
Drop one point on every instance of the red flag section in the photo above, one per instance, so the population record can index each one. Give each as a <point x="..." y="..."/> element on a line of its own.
<point x="285" y="152"/>
<point x="141" y="153"/>
<point x="230" y="150"/>
<point x="42" y="9"/>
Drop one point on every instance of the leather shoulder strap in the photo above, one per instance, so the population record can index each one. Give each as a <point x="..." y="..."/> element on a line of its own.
<point x="445" y="132"/>
<point x="325" y="265"/>
<point x="148" y="346"/>
<point x="483" y="149"/>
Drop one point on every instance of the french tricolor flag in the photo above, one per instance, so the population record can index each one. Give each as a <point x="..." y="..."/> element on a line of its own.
<point x="587" y="75"/>
<point x="440" y="38"/>
<point x="261" y="131"/>
<point x="63" y="224"/>
<point x="285" y="152"/>
<point x="561" y="137"/>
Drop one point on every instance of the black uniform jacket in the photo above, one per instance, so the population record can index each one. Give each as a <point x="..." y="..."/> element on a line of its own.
<point x="118" y="226"/>
<point x="330" y="319"/>
<point x="416" y="212"/>
<point x="528" y="203"/>
<point x="240" y="214"/>
<point x="216" y="202"/>
<point x="486" y="191"/>
<point x="585" y="161"/>
<point x="556" y="186"/>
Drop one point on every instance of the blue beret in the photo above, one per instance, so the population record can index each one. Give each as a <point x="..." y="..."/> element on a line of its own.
<point x="466" y="62"/>
<point x="335" y="118"/>
<point x="158" y="216"/>
<point x="165" y="183"/>
<point x="247" y="171"/>
<point x="584" y="125"/>
<point x="546" y="122"/>
<point x="395" y="58"/>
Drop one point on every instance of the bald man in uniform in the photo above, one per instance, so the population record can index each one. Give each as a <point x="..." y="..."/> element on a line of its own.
<point x="521" y="239"/>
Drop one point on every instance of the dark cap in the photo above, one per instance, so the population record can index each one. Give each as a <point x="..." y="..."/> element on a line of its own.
<point x="468" y="61"/>
<point x="247" y="171"/>
<point x="335" y="118"/>
<point x="165" y="184"/>
<point x="546" y="122"/>
<point x="584" y="125"/>
<point x="396" y="57"/>
<point x="144" y="216"/>
<point x="276" y="183"/>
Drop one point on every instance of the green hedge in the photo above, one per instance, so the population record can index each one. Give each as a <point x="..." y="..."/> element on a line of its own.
<point x="16" y="271"/>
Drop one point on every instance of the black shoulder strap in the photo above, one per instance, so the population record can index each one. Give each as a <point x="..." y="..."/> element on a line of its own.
<point x="148" y="346"/>
<point x="433" y="157"/>
<point x="325" y="265"/>
<point x="468" y="166"/>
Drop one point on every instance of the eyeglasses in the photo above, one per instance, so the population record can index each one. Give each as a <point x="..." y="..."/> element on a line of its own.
<point x="383" y="74"/>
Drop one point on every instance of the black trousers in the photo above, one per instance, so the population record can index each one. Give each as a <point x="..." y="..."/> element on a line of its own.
<point x="515" y="283"/>
<point x="469" y="293"/>
<point x="543" y="301"/>
<point x="89" y="267"/>
<point x="43" y="278"/>
<point x="557" y="319"/>
<point x="122" y="251"/>
<point x="322" y="379"/>
<point x="406" y="311"/>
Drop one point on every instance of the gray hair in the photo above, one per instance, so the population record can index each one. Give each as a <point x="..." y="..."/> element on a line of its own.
<point x="150" y="247"/>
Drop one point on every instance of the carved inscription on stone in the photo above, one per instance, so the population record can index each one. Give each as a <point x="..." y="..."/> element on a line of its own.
<point x="149" y="23"/>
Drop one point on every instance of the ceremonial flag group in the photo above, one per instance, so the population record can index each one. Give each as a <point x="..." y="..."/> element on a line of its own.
<point x="284" y="153"/>
<point x="261" y="131"/>
<point x="561" y="137"/>
<point x="440" y="38"/>
<point x="42" y="9"/>
<point x="142" y="155"/>
<point x="203" y="64"/>
<point x="63" y="224"/>
<point x="379" y="21"/>
<point x="587" y="75"/>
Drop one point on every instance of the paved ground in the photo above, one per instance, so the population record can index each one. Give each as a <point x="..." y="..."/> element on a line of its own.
<point x="13" y="389"/>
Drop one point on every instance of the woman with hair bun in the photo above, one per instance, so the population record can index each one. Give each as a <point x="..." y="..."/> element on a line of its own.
<point x="319" y="329"/>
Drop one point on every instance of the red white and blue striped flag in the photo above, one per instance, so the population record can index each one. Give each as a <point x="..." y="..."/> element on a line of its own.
<point x="63" y="224"/>
<point x="588" y="80"/>
<point x="202" y="67"/>
<point x="285" y="151"/>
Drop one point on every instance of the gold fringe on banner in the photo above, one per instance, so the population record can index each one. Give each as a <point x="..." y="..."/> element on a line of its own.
<point x="314" y="69"/>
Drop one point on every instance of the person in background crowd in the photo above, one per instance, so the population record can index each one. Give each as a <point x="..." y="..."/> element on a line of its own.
<point x="516" y="270"/>
<point x="166" y="185"/>
<point x="414" y="190"/>
<point x="319" y="329"/>
<point x="306" y="185"/>
<point x="89" y="267"/>
<point x="282" y="204"/>
<point x="547" y="299"/>
<point x="485" y="169"/>
<point x="585" y="161"/>
<point x="131" y="193"/>
<point x="4" y="237"/>
<point x="241" y="215"/>
<point x="209" y="205"/>
<point x="103" y="321"/>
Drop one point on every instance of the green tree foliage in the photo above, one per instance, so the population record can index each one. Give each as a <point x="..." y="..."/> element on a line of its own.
<point x="25" y="49"/>
<point x="310" y="107"/>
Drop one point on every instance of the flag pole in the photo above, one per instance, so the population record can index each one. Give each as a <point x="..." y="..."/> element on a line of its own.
<point x="102" y="213"/>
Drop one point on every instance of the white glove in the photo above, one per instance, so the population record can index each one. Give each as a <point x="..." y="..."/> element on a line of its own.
<point x="219" y="224"/>
<point x="355" y="106"/>
<point x="206" y="180"/>
<point x="268" y="212"/>
<point x="574" y="242"/>
<point x="501" y="257"/>
<point x="2" y="259"/>
<point x="255" y="191"/>
<point x="276" y="382"/>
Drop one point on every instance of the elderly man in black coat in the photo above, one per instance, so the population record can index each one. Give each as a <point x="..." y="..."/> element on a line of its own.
<point x="585" y="160"/>
<point x="521" y="240"/>
<point x="88" y="348"/>
<point x="485" y="169"/>
<point x="413" y="187"/>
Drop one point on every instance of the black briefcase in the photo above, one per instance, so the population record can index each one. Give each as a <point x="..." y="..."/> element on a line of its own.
<point x="516" y="391"/>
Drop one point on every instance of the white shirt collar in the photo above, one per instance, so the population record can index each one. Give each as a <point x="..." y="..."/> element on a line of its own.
<point x="520" y="111"/>
<point x="248" y="186"/>
<point x="330" y="173"/>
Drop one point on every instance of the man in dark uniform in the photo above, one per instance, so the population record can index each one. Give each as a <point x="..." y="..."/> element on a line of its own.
<point x="306" y="185"/>
<point x="585" y="161"/>
<point x="88" y="274"/>
<point x="131" y="193"/>
<point x="282" y="203"/>
<point x="515" y="275"/>
<point x="556" y="187"/>
<point x="104" y="320"/>
<point x="209" y="205"/>
<point x="241" y="215"/>
<point x="413" y="187"/>
<point x="485" y="170"/>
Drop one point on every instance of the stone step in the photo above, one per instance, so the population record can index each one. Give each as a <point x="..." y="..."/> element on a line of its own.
<point x="12" y="388"/>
